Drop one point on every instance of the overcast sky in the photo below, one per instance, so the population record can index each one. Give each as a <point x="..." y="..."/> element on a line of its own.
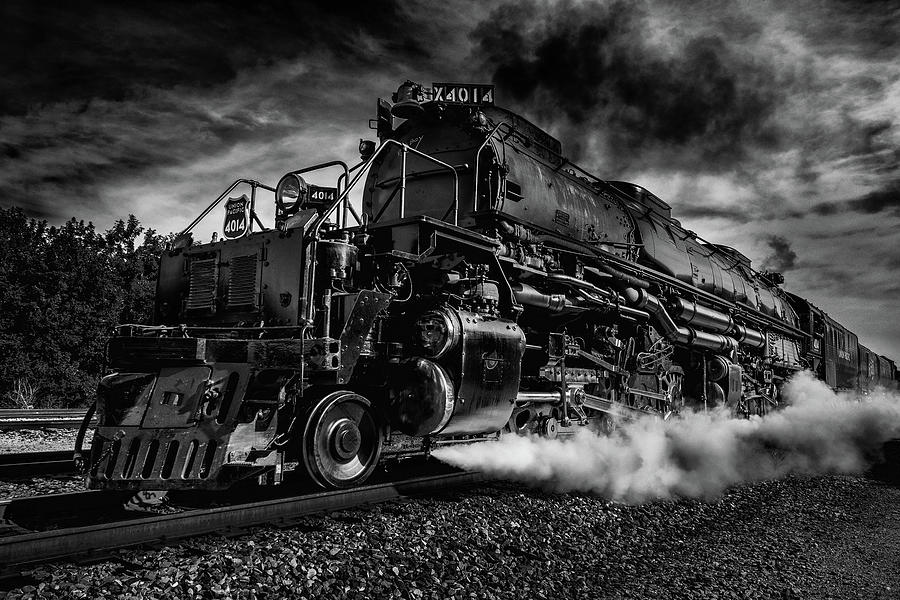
<point x="770" y="126"/>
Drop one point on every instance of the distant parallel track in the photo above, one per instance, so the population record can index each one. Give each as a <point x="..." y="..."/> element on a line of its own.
<point x="22" y="551"/>
<point x="50" y="418"/>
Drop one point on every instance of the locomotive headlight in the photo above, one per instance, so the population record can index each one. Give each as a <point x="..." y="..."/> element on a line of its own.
<point x="291" y="192"/>
<point x="437" y="333"/>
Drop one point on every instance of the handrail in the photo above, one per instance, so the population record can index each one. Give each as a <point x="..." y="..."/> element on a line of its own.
<point x="345" y="175"/>
<point x="253" y="185"/>
<point x="317" y="225"/>
<point x="484" y="144"/>
<point x="365" y="167"/>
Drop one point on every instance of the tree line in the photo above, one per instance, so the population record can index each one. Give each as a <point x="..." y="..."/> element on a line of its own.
<point x="62" y="291"/>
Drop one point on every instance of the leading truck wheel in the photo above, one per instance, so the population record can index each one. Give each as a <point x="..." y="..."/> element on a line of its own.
<point x="341" y="441"/>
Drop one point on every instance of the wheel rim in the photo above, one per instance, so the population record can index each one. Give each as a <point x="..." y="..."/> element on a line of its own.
<point x="341" y="441"/>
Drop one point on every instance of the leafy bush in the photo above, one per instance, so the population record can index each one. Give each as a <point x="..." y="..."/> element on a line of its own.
<point x="62" y="290"/>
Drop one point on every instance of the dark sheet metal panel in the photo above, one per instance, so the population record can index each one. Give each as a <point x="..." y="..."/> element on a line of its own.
<point x="664" y="250"/>
<point x="766" y="300"/>
<point x="249" y="279"/>
<point x="486" y="374"/>
<point x="559" y="202"/>
<point x="429" y="188"/>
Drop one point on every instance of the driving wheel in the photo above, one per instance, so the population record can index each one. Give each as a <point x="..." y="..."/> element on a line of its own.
<point x="341" y="440"/>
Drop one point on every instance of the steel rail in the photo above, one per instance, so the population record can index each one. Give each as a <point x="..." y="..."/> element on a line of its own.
<point x="54" y="418"/>
<point x="31" y="513"/>
<point x="26" y="464"/>
<point x="19" y="553"/>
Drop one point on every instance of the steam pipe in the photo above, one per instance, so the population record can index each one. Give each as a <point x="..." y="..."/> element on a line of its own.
<point x="527" y="295"/>
<point x="624" y="311"/>
<point x="713" y="320"/>
<point x="631" y="280"/>
<point x="642" y="299"/>
<point x="749" y="337"/>
<point x="681" y="335"/>
<point x="579" y="284"/>
<point x="701" y="316"/>
<point x="711" y="341"/>
<point x="633" y="313"/>
<point x="537" y="397"/>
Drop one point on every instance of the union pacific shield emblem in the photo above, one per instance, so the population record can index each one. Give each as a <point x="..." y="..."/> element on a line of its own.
<point x="237" y="217"/>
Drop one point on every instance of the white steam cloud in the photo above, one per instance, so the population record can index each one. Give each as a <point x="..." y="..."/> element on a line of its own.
<point x="700" y="453"/>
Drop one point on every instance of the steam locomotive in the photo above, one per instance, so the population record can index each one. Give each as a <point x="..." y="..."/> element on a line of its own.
<point x="487" y="285"/>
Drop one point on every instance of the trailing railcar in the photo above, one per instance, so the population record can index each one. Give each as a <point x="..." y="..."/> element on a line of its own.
<point x="487" y="285"/>
<point x="867" y="369"/>
<point x="840" y="356"/>
<point x="887" y="373"/>
<point x="875" y="371"/>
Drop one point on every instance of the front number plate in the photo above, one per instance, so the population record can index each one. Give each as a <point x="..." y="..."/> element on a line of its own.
<point x="462" y="93"/>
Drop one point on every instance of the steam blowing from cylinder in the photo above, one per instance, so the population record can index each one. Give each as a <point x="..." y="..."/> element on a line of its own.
<point x="701" y="453"/>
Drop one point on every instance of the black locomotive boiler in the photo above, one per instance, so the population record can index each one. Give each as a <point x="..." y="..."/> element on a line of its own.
<point x="487" y="285"/>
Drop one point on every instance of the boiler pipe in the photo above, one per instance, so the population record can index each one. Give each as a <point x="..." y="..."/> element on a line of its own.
<point x="527" y="295"/>
<point x="713" y="320"/>
<point x="701" y="316"/>
<point x="631" y="280"/>
<point x="681" y="335"/>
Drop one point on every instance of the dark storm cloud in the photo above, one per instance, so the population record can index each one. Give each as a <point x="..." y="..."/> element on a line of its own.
<point x="78" y="51"/>
<point x="783" y="258"/>
<point x="833" y="281"/>
<point x="94" y="94"/>
<point x="690" y="211"/>
<point x="886" y="199"/>
<point x="704" y="87"/>
<point x="61" y="154"/>
<point x="595" y="63"/>
<point x="867" y="28"/>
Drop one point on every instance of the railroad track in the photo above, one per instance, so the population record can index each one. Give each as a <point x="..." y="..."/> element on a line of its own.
<point x="51" y="418"/>
<point x="22" y="550"/>
<point x="28" y="464"/>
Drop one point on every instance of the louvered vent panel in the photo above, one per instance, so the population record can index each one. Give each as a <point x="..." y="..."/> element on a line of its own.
<point x="202" y="293"/>
<point x="243" y="282"/>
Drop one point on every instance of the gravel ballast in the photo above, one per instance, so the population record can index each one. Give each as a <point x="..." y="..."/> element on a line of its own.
<point x="25" y="487"/>
<point x="821" y="537"/>
<point x="40" y="440"/>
